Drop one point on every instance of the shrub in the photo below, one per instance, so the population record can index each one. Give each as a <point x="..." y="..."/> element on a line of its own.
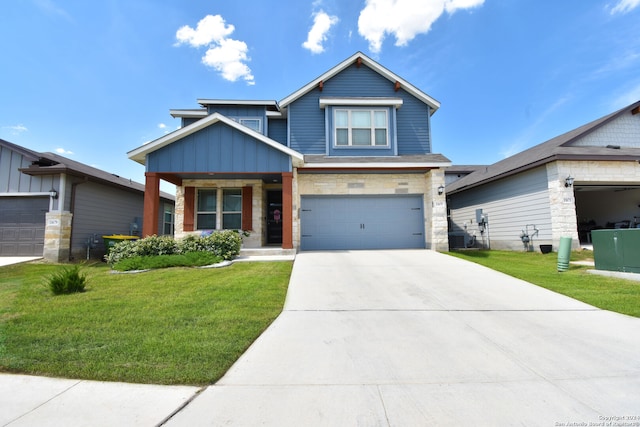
<point x="188" y="259"/>
<point x="67" y="281"/>
<point x="224" y="244"/>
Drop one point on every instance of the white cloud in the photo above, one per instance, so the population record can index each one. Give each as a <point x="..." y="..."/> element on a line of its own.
<point x="162" y="126"/>
<point x="322" y="23"/>
<point x="625" y="6"/>
<point x="16" y="129"/>
<point x="63" y="151"/>
<point x="50" y="7"/>
<point x="210" y="29"/>
<point x="228" y="59"/>
<point x="404" y="19"/>
<point x="224" y="54"/>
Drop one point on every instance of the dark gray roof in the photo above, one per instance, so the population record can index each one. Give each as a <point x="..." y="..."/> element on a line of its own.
<point x="463" y="168"/>
<point x="51" y="163"/>
<point x="557" y="148"/>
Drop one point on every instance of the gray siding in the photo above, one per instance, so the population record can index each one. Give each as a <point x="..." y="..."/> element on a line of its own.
<point x="218" y="148"/>
<point x="14" y="181"/>
<point x="102" y="210"/>
<point x="307" y="119"/>
<point x="510" y="204"/>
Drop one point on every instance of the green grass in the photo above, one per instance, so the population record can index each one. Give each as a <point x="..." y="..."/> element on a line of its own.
<point x="169" y="326"/>
<point x="620" y="295"/>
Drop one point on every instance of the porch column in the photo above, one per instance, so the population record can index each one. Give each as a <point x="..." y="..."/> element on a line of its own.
<point x="287" y="210"/>
<point x="151" y="204"/>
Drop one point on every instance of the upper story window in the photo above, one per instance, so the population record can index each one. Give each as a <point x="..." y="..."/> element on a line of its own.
<point x="254" y="123"/>
<point x="361" y="128"/>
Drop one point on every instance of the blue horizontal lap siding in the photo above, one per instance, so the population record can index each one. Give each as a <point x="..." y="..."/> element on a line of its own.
<point x="278" y="130"/>
<point x="218" y="148"/>
<point x="242" y="111"/>
<point x="307" y="119"/>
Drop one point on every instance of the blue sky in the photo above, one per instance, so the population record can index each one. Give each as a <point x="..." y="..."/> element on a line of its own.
<point x="93" y="80"/>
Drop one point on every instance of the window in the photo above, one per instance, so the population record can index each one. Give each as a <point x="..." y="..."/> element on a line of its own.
<point x="361" y="128"/>
<point x="167" y="220"/>
<point x="232" y="209"/>
<point x="251" y="123"/>
<point x="207" y="209"/>
<point x="212" y="215"/>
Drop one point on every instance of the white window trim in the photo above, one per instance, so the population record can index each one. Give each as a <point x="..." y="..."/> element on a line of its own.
<point x="242" y="119"/>
<point x="350" y="128"/>
<point x="361" y="102"/>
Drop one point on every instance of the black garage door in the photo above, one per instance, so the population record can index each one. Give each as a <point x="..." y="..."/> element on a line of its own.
<point x="22" y="223"/>
<point x="362" y="222"/>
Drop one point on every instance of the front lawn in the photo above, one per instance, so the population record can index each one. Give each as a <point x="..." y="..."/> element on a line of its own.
<point x="169" y="326"/>
<point x="620" y="295"/>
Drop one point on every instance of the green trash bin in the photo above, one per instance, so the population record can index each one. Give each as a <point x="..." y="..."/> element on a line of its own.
<point x="110" y="241"/>
<point x="564" y="253"/>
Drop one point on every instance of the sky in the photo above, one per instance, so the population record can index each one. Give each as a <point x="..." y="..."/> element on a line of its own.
<point x="92" y="80"/>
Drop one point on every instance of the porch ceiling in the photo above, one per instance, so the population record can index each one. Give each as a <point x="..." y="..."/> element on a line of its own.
<point x="176" y="178"/>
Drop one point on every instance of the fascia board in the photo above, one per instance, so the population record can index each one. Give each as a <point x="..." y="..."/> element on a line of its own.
<point x="378" y="165"/>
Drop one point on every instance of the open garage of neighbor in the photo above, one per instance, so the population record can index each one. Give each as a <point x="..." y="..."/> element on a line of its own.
<point x="362" y="222"/>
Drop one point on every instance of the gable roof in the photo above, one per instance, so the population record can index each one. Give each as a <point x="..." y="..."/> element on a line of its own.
<point x="558" y="148"/>
<point x="139" y="154"/>
<point x="365" y="60"/>
<point x="50" y="164"/>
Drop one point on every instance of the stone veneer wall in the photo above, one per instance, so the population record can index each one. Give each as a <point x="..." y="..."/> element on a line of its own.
<point x="256" y="237"/>
<point x="562" y="199"/>
<point x="371" y="184"/>
<point x="57" y="236"/>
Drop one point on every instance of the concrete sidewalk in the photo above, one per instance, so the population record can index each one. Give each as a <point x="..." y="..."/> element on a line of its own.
<point x="385" y="338"/>
<point x="412" y="338"/>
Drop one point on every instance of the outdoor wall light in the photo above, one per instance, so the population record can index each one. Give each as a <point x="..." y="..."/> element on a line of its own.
<point x="53" y="194"/>
<point x="568" y="181"/>
<point x="440" y="190"/>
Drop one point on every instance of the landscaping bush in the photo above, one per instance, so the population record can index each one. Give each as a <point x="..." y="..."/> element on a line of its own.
<point x="67" y="281"/>
<point x="224" y="244"/>
<point x="189" y="259"/>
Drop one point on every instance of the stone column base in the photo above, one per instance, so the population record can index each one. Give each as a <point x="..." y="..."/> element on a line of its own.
<point x="57" y="236"/>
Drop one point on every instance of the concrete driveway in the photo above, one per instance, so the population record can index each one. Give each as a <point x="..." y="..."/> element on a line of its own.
<point x="413" y="338"/>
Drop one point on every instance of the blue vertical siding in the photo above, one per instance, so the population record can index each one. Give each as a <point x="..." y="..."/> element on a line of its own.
<point x="307" y="120"/>
<point x="218" y="148"/>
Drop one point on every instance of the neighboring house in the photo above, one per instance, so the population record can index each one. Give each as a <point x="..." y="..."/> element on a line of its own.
<point x="585" y="179"/>
<point x="57" y="208"/>
<point x="344" y="162"/>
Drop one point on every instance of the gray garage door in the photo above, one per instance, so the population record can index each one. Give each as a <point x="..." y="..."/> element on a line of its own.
<point x="22" y="225"/>
<point x="362" y="222"/>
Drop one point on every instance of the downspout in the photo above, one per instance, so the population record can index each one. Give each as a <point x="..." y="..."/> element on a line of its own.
<point x="62" y="192"/>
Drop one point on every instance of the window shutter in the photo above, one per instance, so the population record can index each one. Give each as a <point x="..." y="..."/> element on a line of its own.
<point x="247" y="208"/>
<point x="189" y="206"/>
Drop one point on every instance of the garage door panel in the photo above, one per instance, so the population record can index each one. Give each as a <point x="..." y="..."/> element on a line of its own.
<point x="22" y="225"/>
<point x="362" y="222"/>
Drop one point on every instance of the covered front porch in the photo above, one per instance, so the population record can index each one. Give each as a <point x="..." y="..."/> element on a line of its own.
<point x="259" y="204"/>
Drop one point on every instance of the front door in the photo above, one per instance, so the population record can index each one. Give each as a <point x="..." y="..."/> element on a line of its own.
<point x="274" y="217"/>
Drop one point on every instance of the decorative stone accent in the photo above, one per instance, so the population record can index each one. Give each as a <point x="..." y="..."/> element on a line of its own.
<point x="57" y="236"/>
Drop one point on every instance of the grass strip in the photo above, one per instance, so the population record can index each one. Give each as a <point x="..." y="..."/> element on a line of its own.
<point x="619" y="295"/>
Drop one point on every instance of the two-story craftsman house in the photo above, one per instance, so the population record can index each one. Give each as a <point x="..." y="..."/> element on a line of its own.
<point x="344" y="162"/>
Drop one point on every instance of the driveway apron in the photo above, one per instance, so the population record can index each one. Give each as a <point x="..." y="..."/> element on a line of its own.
<point x="415" y="337"/>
